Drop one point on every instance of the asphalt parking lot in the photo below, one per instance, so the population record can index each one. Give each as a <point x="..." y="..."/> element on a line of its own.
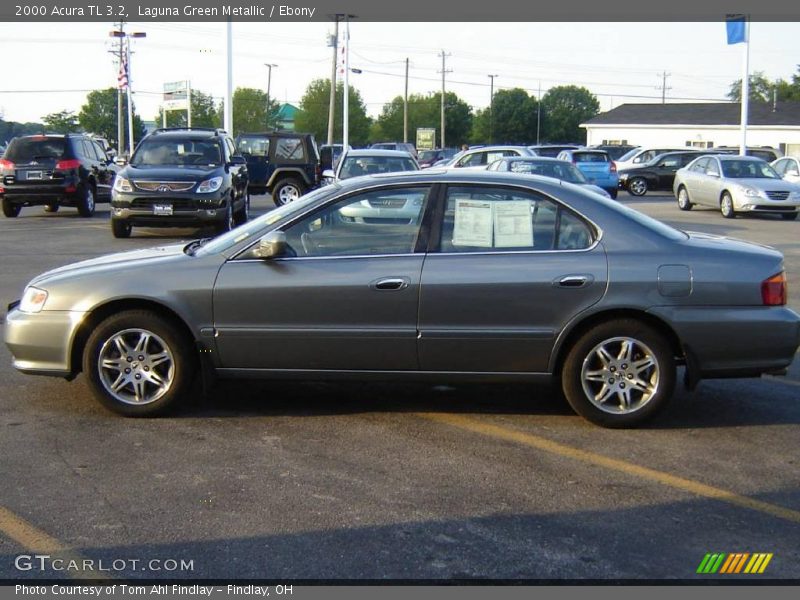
<point x="384" y="481"/>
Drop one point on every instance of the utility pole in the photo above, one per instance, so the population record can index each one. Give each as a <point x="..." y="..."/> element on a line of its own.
<point x="405" y="108"/>
<point x="491" y="108"/>
<point x="119" y="34"/>
<point x="444" y="72"/>
<point x="346" y="98"/>
<point x="538" y="112"/>
<point x="333" y="41"/>
<point x="228" y="109"/>
<point x="269" y="85"/>
<point x="663" y="87"/>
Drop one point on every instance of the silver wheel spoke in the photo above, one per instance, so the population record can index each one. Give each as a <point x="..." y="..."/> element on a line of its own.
<point x="113" y="363"/>
<point x="624" y="397"/>
<point x="643" y="364"/>
<point x="604" y="356"/>
<point x="141" y="344"/>
<point x="139" y="390"/>
<point x="157" y="359"/>
<point x="625" y="351"/>
<point x="598" y="376"/>
<point x="121" y="345"/>
<point x="604" y="394"/>
<point x="120" y="382"/>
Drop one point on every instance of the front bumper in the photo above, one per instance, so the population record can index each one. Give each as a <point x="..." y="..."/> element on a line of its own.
<point x="41" y="343"/>
<point x="188" y="210"/>
<point x="735" y="341"/>
<point x="742" y="203"/>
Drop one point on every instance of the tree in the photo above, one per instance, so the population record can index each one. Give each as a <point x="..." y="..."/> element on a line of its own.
<point x="424" y="110"/>
<point x="760" y="88"/>
<point x="564" y="108"/>
<point x="99" y="116"/>
<point x="313" y="114"/>
<point x="61" y="122"/>
<point x="12" y="129"/>
<point x="250" y="111"/>
<point x="205" y="113"/>
<point x="513" y="119"/>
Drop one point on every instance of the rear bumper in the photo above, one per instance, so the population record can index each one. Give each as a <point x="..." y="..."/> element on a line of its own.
<point x="65" y="192"/>
<point x="735" y="341"/>
<point x="40" y="343"/>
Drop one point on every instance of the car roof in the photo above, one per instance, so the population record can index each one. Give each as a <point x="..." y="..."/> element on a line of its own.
<point x="738" y="157"/>
<point x="378" y="152"/>
<point x="195" y="134"/>
<point x="549" y="159"/>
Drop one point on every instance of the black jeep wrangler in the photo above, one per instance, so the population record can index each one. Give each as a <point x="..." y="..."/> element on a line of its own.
<point x="283" y="163"/>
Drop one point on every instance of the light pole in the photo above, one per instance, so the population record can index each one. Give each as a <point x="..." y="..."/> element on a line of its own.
<point x="269" y="85"/>
<point x="124" y="82"/>
<point x="491" y="108"/>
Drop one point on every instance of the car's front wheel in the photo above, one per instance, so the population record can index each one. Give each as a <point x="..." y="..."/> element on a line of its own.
<point x="683" y="199"/>
<point x="138" y="363"/>
<point x="637" y="186"/>
<point x="51" y="207"/>
<point x="619" y="373"/>
<point x="726" y="206"/>
<point x="121" y="229"/>
<point x="10" y="209"/>
<point x="789" y="216"/>
<point x="229" y="221"/>
<point x="243" y="214"/>
<point x="287" y="190"/>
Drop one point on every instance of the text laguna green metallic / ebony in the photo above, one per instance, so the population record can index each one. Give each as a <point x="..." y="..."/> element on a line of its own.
<point x="436" y="276"/>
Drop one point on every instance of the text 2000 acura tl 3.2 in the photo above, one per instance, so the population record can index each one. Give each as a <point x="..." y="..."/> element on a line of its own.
<point x="497" y="277"/>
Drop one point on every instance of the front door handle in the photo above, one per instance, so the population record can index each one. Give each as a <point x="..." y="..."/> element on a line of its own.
<point x="390" y="284"/>
<point x="573" y="281"/>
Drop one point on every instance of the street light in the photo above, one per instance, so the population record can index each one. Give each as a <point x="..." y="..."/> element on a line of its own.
<point x="125" y="76"/>
<point x="269" y="85"/>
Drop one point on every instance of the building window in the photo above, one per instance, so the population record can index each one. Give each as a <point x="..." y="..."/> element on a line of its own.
<point x="695" y="144"/>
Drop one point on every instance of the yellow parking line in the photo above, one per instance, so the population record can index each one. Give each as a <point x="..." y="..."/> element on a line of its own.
<point x="686" y="485"/>
<point x="37" y="541"/>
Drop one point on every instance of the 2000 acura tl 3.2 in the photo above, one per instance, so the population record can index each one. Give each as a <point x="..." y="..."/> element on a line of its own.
<point x="498" y="277"/>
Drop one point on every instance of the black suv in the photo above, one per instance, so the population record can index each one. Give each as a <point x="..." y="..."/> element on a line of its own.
<point x="284" y="164"/>
<point x="181" y="178"/>
<point x="55" y="170"/>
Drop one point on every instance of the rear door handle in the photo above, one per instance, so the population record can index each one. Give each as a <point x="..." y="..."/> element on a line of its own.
<point x="574" y="281"/>
<point x="389" y="284"/>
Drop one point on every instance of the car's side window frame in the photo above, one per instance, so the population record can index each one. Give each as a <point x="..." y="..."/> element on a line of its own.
<point x="437" y="224"/>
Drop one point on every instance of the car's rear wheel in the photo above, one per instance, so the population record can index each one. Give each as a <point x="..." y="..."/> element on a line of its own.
<point x="86" y="201"/>
<point x="121" y="229"/>
<point x="683" y="199"/>
<point x="288" y="190"/>
<point x="10" y="209"/>
<point x="726" y="206"/>
<point x="789" y="216"/>
<point x="637" y="186"/>
<point x="52" y="207"/>
<point x="619" y="373"/>
<point x="613" y="193"/>
<point x="138" y="363"/>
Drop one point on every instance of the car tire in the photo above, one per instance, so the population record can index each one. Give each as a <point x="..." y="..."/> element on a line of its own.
<point x="10" y="209"/>
<point x="637" y="186"/>
<point x="613" y="193"/>
<point x="789" y="216"/>
<point x="229" y="222"/>
<point x="683" y="199"/>
<point x="121" y="229"/>
<point x="52" y="207"/>
<point x="243" y="214"/>
<point x="619" y="373"/>
<point x="726" y="206"/>
<point x="152" y="350"/>
<point x="86" y="203"/>
<point x="288" y="190"/>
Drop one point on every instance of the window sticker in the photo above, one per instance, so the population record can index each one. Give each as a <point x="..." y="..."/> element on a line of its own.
<point x="473" y="223"/>
<point x="512" y="224"/>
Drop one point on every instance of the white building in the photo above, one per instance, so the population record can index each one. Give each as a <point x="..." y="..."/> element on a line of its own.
<point x="698" y="125"/>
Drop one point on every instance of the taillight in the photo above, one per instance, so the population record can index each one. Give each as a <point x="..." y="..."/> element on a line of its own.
<point x="773" y="290"/>
<point x="66" y="165"/>
<point x="6" y="164"/>
<point x="613" y="167"/>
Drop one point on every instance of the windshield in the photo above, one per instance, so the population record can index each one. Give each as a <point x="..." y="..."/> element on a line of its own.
<point x="748" y="169"/>
<point x="176" y="152"/>
<point x="254" y="227"/>
<point x="559" y="170"/>
<point x="28" y="149"/>
<point x="355" y="166"/>
<point x="628" y="155"/>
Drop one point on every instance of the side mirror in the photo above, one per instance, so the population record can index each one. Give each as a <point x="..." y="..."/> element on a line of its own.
<point x="237" y="159"/>
<point x="271" y="245"/>
<point x="121" y="160"/>
<point x="328" y="174"/>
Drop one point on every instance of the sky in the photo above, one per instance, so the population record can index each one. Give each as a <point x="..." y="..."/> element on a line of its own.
<point x="618" y="62"/>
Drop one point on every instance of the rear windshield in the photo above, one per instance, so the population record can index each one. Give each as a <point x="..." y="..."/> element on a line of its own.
<point x="355" y="166"/>
<point x="559" y="170"/>
<point x="177" y="152"/>
<point x="590" y="157"/>
<point x="30" y="149"/>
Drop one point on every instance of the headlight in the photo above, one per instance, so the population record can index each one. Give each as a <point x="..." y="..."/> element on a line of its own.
<point x="750" y="192"/>
<point x="33" y="300"/>
<point x="209" y="185"/>
<point x="122" y="185"/>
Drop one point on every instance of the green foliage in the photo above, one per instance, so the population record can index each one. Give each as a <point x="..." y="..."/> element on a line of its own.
<point x="564" y="108"/>
<point x="99" y="116"/>
<point x="313" y="114"/>
<point x="763" y="90"/>
<point x="250" y="112"/>
<point x="205" y="113"/>
<point x="513" y="119"/>
<point x="424" y="110"/>
<point x="12" y="129"/>
<point x="64" y="121"/>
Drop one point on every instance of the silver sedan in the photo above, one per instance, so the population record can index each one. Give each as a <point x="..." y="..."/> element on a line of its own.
<point x="497" y="277"/>
<point x="736" y="184"/>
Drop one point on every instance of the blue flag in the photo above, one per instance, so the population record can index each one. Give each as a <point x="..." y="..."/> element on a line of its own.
<point x="737" y="29"/>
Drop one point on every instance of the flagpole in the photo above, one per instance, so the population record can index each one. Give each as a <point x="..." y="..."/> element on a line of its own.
<point x="745" y="88"/>
<point x="346" y="99"/>
<point x="130" y="106"/>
